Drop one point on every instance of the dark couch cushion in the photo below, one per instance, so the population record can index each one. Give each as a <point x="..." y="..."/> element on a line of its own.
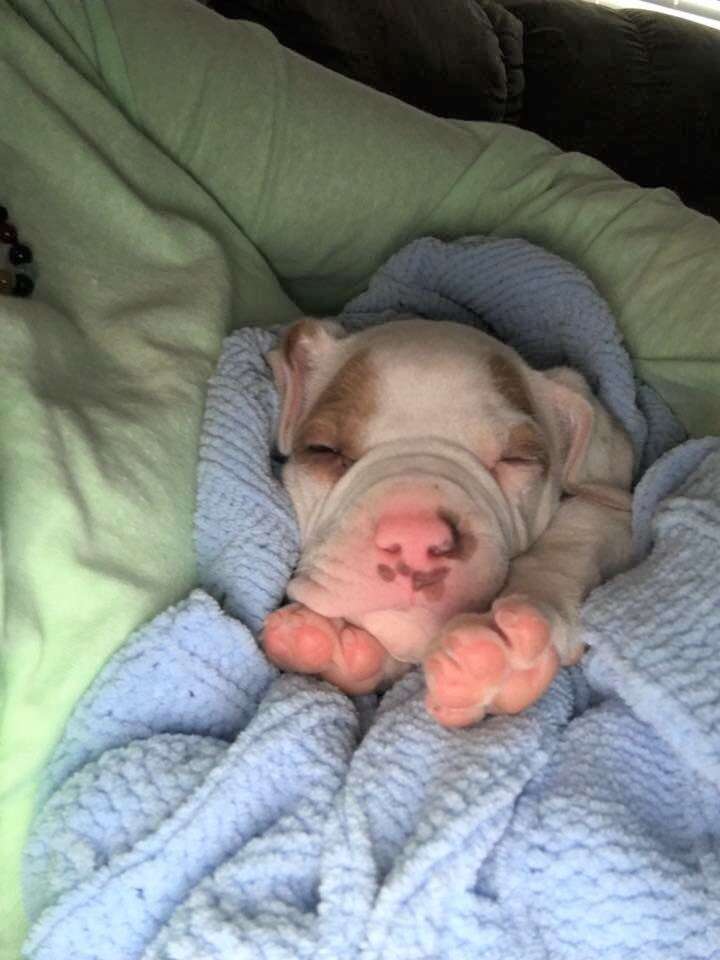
<point x="459" y="58"/>
<point x="639" y="91"/>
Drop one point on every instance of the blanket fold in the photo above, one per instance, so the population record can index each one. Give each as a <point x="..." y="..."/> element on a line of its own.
<point x="200" y="805"/>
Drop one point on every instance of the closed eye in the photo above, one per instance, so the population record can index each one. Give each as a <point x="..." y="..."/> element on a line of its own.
<point x="521" y="461"/>
<point x="525" y="447"/>
<point x="321" y="448"/>
<point x="324" y="453"/>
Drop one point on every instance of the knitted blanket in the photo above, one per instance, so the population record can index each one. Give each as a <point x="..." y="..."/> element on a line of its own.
<point x="200" y="805"/>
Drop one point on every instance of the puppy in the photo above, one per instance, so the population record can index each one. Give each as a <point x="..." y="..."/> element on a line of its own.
<point x="455" y="508"/>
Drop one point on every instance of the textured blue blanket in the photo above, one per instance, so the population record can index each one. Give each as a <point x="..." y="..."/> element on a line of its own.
<point x="201" y="806"/>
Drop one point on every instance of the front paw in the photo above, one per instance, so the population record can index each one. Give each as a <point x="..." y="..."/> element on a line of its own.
<point x="499" y="662"/>
<point x="298" y="639"/>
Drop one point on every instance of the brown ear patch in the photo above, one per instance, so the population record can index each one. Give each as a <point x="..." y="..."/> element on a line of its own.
<point x="338" y="418"/>
<point x="510" y="383"/>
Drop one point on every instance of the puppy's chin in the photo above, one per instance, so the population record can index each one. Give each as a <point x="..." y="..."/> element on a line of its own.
<point x="406" y="623"/>
<point x="406" y="634"/>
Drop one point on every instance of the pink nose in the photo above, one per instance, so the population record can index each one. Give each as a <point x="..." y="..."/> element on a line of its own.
<point x="416" y="537"/>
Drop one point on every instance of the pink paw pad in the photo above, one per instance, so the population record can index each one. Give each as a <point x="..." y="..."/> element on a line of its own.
<point x="524" y="630"/>
<point x="295" y="638"/>
<point x="491" y="663"/>
<point x="360" y="653"/>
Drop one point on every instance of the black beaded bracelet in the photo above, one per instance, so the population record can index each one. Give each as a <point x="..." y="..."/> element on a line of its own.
<point x="16" y="283"/>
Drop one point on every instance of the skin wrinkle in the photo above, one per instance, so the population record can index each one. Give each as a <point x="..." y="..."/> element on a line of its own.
<point x="465" y="544"/>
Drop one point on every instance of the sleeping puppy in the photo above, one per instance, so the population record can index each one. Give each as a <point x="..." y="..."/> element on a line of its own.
<point x="455" y="508"/>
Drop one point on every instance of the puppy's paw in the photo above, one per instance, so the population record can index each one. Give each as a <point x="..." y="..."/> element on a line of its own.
<point x="297" y="639"/>
<point x="500" y="662"/>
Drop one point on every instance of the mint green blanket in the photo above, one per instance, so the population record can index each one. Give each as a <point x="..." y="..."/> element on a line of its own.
<point x="178" y="175"/>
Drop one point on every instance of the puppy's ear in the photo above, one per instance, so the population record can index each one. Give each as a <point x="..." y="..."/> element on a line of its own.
<point x="596" y="453"/>
<point x="304" y="349"/>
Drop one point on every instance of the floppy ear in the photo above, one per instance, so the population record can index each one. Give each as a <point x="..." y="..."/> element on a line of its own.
<point x="596" y="453"/>
<point x="303" y="349"/>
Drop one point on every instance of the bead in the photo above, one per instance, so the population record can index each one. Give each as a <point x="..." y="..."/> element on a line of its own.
<point x="23" y="285"/>
<point x="20" y="253"/>
<point x="8" y="233"/>
<point x="18" y="284"/>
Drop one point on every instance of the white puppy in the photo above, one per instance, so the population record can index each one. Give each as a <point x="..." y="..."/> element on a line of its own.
<point x="455" y="507"/>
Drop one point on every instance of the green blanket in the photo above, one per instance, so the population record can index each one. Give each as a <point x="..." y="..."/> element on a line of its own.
<point x="178" y="175"/>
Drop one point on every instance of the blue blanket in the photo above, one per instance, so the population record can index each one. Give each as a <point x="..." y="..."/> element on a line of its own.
<point x="200" y="805"/>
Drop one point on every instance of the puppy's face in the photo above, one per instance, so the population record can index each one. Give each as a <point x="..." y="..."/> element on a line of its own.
<point x="422" y="457"/>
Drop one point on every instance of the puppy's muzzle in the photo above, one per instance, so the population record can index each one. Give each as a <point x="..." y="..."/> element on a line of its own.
<point x="421" y="497"/>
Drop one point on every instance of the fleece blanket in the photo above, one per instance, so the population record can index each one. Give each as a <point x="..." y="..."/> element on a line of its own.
<point x="200" y="805"/>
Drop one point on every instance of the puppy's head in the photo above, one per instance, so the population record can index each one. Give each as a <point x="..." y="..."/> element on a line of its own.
<point x="422" y="456"/>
